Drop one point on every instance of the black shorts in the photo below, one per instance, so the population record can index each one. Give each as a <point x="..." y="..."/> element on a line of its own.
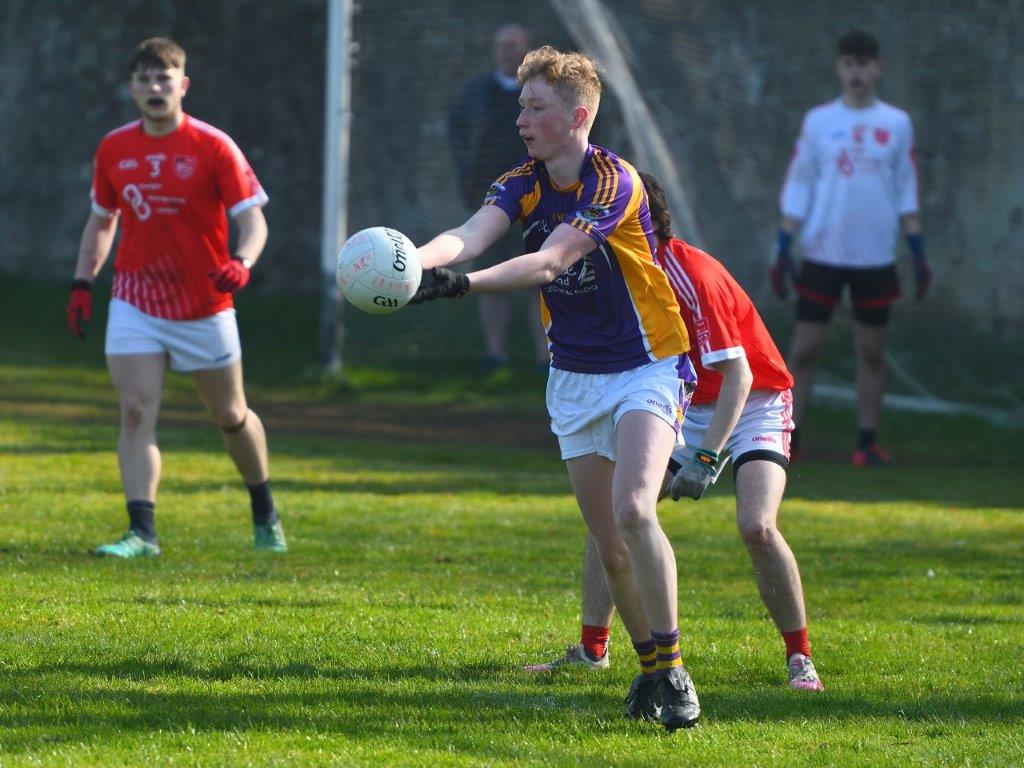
<point x="872" y="291"/>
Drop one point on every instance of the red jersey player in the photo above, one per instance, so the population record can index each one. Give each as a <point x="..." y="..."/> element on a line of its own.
<point x="742" y="404"/>
<point x="169" y="179"/>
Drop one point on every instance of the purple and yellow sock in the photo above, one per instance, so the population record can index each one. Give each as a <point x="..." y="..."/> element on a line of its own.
<point x="668" y="649"/>
<point x="648" y="654"/>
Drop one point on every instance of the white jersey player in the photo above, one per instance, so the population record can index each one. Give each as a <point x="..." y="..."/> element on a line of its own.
<point x="852" y="182"/>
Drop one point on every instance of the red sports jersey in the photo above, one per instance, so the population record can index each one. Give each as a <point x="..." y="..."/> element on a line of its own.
<point x="172" y="192"/>
<point x="721" y="320"/>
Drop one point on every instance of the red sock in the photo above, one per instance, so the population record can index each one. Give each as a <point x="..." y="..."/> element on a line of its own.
<point x="595" y="641"/>
<point x="796" y="642"/>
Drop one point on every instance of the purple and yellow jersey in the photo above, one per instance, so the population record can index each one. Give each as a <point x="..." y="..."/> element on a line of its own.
<point x="613" y="309"/>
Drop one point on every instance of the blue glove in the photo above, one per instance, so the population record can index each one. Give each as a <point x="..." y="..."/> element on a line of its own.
<point x="783" y="269"/>
<point x="694" y="478"/>
<point x="922" y="269"/>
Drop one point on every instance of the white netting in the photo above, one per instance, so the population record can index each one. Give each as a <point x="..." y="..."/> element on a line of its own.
<point x="709" y="96"/>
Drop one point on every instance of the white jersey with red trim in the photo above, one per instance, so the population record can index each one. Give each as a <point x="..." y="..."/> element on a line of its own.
<point x="172" y="192"/>
<point x="722" y="321"/>
<point x="852" y="175"/>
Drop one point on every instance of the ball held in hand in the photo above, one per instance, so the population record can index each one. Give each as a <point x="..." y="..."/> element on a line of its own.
<point x="378" y="270"/>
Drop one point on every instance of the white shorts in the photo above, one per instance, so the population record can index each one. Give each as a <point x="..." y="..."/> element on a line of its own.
<point x="586" y="407"/>
<point x="765" y="424"/>
<point x="191" y="345"/>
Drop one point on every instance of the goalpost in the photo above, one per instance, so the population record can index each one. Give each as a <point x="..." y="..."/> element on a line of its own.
<point x="334" y="223"/>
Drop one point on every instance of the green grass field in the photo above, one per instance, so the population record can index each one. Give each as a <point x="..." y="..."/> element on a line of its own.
<point x="430" y="562"/>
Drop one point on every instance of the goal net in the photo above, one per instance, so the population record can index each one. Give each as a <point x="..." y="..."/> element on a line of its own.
<point x="709" y="96"/>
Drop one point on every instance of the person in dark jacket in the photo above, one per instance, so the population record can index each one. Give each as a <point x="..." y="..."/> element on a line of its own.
<point x="485" y="143"/>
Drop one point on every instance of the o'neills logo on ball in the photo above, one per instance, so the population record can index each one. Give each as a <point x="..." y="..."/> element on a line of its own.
<point x="398" y="264"/>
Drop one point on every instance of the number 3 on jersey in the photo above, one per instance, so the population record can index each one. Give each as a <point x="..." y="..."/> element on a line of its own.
<point x="133" y="195"/>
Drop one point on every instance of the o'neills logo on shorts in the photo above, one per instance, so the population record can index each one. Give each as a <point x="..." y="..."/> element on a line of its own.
<point x="763" y="439"/>
<point x="666" y="409"/>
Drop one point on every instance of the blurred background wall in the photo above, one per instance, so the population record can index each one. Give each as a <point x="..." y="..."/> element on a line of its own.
<point x="726" y="83"/>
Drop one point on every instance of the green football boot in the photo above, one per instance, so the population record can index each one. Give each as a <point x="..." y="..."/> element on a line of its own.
<point x="128" y="546"/>
<point x="269" y="538"/>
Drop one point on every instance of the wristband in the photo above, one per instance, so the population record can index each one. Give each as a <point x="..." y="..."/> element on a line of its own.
<point x="79" y="284"/>
<point x="707" y="459"/>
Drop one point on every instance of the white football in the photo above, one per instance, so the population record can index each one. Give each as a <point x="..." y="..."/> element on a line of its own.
<point x="378" y="270"/>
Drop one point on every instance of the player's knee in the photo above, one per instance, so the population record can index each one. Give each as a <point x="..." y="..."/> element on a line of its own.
<point x="135" y="414"/>
<point x="872" y="358"/>
<point x="231" y="419"/>
<point x="632" y="517"/>
<point x="615" y="558"/>
<point x="758" y="535"/>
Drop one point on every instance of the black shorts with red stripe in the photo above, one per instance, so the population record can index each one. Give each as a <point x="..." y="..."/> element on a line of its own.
<point x="872" y="291"/>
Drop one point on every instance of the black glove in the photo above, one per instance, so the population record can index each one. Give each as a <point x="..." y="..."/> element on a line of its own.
<point x="446" y="284"/>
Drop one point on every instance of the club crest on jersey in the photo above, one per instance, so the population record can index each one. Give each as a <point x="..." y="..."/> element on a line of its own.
<point x="882" y="136"/>
<point x="493" y="191"/>
<point x="185" y="166"/>
<point x="592" y="212"/>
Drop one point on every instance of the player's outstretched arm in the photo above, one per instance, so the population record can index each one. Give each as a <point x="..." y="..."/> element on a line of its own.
<point x="93" y="250"/>
<point x="563" y="248"/>
<point x="480" y="232"/>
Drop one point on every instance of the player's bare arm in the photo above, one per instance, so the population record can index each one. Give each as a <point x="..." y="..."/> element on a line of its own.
<point x="737" y="379"/>
<point x="94" y="245"/>
<point x="252" y="234"/>
<point x="693" y="479"/>
<point x="564" y="247"/>
<point x="482" y="230"/>
<point x="93" y="249"/>
<point x="233" y="275"/>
